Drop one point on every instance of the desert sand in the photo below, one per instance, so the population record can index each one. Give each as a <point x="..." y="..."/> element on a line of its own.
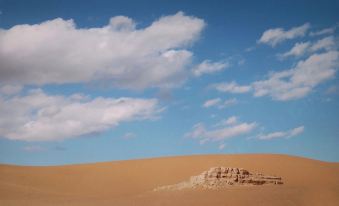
<point x="131" y="182"/>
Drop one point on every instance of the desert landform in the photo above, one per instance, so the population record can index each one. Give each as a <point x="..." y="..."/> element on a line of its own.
<point x="242" y="179"/>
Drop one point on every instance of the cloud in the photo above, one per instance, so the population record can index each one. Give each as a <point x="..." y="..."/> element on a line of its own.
<point x="38" y="116"/>
<point x="327" y="43"/>
<point x="275" y="36"/>
<point x="211" y="102"/>
<point x="231" y="87"/>
<point x="300" y="80"/>
<point x="296" y="131"/>
<point x="10" y="89"/>
<point x="209" y="67"/>
<point x="249" y="49"/>
<point x="299" y="49"/>
<point x="229" y="121"/>
<point x="221" y="133"/>
<point x="217" y="102"/>
<point x="293" y="83"/>
<point x="221" y="146"/>
<point x="58" y="52"/>
<point x="282" y="134"/>
<point x="325" y="31"/>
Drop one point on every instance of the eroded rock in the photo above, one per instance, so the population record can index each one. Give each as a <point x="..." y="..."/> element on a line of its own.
<point x="219" y="177"/>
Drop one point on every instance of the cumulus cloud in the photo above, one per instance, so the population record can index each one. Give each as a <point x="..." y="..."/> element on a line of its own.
<point x="299" y="49"/>
<point x="37" y="116"/>
<point x="58" y="52"/>
<point x="221" y="133"/>
<point x="231" y="87"/>
<point x="275" y="36"/>
<point x="282" y="134"/>
<point x="300" y="80"/>
<point x="209" y="67"/>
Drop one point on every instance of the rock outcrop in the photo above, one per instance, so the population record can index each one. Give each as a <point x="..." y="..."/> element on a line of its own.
<point x="219" y="177"/>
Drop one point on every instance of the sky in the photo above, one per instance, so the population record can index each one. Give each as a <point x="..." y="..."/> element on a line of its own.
<point x="92" y="81"/>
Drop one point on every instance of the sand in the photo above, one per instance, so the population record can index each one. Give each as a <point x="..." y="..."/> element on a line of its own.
<point x="306" y="182"/>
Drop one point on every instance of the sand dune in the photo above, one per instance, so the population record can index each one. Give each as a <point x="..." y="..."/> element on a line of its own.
<point x="306" y="182"/>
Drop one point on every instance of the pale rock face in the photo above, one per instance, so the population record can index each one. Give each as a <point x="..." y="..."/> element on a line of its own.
<point x="220" y="177"/>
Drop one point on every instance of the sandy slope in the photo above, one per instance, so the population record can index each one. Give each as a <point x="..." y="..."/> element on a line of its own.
<point x="306" y="182"/>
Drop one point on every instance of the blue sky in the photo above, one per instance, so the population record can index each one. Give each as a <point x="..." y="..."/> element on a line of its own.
<point x="111" y="80"/>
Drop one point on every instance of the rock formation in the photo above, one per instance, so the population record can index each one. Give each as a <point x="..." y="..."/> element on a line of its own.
<point x="219" y="177"/>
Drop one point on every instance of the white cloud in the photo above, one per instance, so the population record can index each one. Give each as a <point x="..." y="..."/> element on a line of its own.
<point x="10" y="89"/>
<point x="299" y="81"/>
<point x="37" y="116"/>
<point x="231" y="87"/>
<point x="57" y="52"/>
<point x="217" y="102"/>
<point x="282" y="134"/>
<point x="221" y="133"/>
<point x="226" y="122"/>
<point x="211" y="102"/>
<point x="249" y="49"/>
<point x="299" y="49"/>
<point x="209" y="67"/>
<point x="296" y="131"/>
<point x="277" y="35"/>
<point x="221" y="146"/>
<point x="293" y="83"/>
<point x="325" y="31"/>
<point x="327" y="43"/>
<point x="231" y="120"/>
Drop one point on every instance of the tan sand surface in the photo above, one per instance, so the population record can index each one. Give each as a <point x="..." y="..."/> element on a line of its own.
<point x="306" y="182"/>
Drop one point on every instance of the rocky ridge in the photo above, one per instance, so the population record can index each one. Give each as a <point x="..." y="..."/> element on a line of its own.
<point x="219" y="177"/>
